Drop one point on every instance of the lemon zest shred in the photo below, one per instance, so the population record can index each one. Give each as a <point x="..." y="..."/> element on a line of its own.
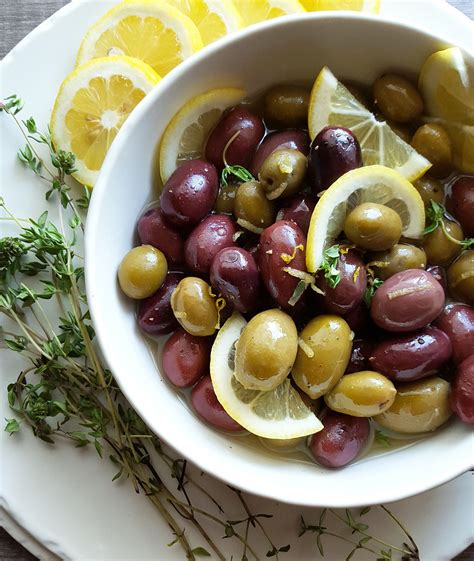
<point x="303" y="345"/>
<point x="289" y="258"/>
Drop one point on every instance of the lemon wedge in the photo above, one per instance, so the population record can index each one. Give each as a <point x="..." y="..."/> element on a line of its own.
<point x="92" y="104"/>
<point x="154" y="32"/>
<point x="376" y="184"/>
<point x="331" y="103"/>
<point x="253" y="11"/>
<point x="187" y="132"/>
<point x="277" y="414"/>
<point x="370" y="6"/>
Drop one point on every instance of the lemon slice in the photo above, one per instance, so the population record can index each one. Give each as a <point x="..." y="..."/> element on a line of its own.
<point x="370" y="6"/>
<point x="332" y="104"/>
<point x="92" y="104"/>
<point x="253" y="11"/>
<point x="376" y="184"/>
<point x="279" y="413"/>
<point x="187" y="132"/>
<point x="151" y="31"/>
<point x="213" y="18"/>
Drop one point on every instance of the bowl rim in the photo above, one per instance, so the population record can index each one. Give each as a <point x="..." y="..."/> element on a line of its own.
<point x="100" y="192"/>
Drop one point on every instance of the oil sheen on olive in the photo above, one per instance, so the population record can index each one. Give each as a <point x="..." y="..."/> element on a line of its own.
<point x="252" y="206"/>
<point x="461" y="203"/>
<point x="296" y="139"/>
<point x="299" y="209"/>
<point x="457" y="321"/>
<point x="462" y="394"/>
<point x="321" y="362"/>
<point x="361" y="394"/>
<point x="461" y="277"/>
<point x="420" y="406"/>
<point x="282" y="173"/>
<point x="374" y="227"/>
<point x="433" y="142"/>
<point x="286" y="106"/>
<point x="194" y="307"/>
<point x="226" y="198"/>
<point x="397" y="98"/>
<point x="398" y="258"/>
<point x="142" y="271"/>
<point x="266" y="350"/>
<point x="430" y="189"/>
<point x="205" y="403"/>
<point x="439" y="249"/>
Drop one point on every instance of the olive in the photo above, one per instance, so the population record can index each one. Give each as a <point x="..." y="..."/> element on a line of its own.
<point x="142" y="271"/>
<point x="208" y="408"/>
<point x="341" y="440"/>
<point x="154" y="230"/>
<point x="238" y="133"/>
<point x="398" y="258"/>
<point x="185" y="358"/>
<point x="420" y="406"/>
<point x="293" y="138"/>
<point x="214" y="233"/>
<point x="234" y="274"/>
<point x="373" y="226"/>
<point x="266" y="350"/>
<point x="462" y="395"/>
<point x="226" y="198"/>
<point x="282" y="173"/>
<point x="155" y="316"/>
<point x="252" y="208"/>
<point x="323" y="355"/>
<point x="195" y="307"/>
<point x="299" y="209"/>
<point x="430" y="189"/>
<point x="433" y="142"/>
<point x="286" y="106"/>
<point x="461" y="277"/>
<point x="439" y="249"/>
<point x="189" y="194"/>
<point x="407" y="301"/>
<point x="360" y="354"/>
<point x="461" y="203"/>
<point x="439" y="274"/>
<point x="334" y="151"/>
<point x="457" y="321"/>
<point x="404" y="358"/>
<point x="397" y="98"/>
<point x="359" y="319"/>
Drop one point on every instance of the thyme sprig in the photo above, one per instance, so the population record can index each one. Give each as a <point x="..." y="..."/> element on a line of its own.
<point x="437" y="216"/>
<point x="329" y="265"/>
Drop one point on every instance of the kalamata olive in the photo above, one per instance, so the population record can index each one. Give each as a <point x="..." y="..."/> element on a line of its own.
<point x="252" y="208"/>
<point x="420" y="406"/>
<point x="461" y="203"/>
<point x="234" y="274"/>
<point x="282" y="245"/>
<point x="430" y="189"/>
<point x="405" y="358"/>
<point x="462" y="394"/>
<point x="372" y="226"/>
<point x="238" y="133"/>
<point x="407" y="301"/>
<point x="154" y="230"/>
<point x="155" y="316"/>
<point x="189" y="194"/>
<point x="359" y="319"/>
<point x="439" y="249"/>
<point x="323" y="355"/>
<point x="282" y="173"/>
<point x="286" y="106"/>
<point x="142" y="271"/>
<point x="185" y="358"/>
<point x="360" y="354"/>
<point x="266" y="350"/>
<point x="226" y="198"/>
<point x="397" y="98"/>
<point x="292" y="138"/>
<point x="439" y="274"/>
<point x="361" y="394"/>
<point x="214" y="233"/>
<point x="194" y="307"/>
<point x="457" y="321"/>
<point x="334" y="151"/>
<point x="433" y="142"/>
<point x="461" y="277"/>
<point x="206" y="405"/>
<point x="399" y="257"/>
<point x="298" y="209"/>
<point x="349" y="291"/>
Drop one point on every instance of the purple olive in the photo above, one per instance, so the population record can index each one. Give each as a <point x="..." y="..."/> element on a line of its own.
<point x="359" y="361"/>
<point x="462" y="391"/>
<point x="154" y="230"/>
<point x="293" y="138"/>
<point x="189" y="194"/>
<point x="246" y="130"/>
<point x="299" y="209"/>
<point x="457" y="321"/>
<point x="439" y="274"/>
<point x="155" y="316"/>
<point x="407" y="301"/>
<point x="461" y="203"/>
<point x="235" y="276"/>
<point x="359" y="319"/>
<point x="334" y="151"/>
<point x="214" y="233"/>
<point x="404" y="358"/>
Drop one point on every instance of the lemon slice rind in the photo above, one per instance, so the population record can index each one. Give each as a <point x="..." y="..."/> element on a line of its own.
<point x="255" y="11"/>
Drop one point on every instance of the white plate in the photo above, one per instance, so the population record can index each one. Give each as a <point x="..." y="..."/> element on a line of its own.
<point x="63" y="497"/>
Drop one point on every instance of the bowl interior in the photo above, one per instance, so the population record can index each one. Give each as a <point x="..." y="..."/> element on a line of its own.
<point x="294" y="49"/>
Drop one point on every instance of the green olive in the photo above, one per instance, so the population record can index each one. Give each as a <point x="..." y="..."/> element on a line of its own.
<point x="439" y="249"/>
<point x="420" y="406"/>
<point x="430" y="189"/>
<point x="323" y="354"/>
<point x="283" y="172"/>
<point x="373" y="226"/>
<point x="251" y="206"/>
<point x="397" y="98"/>
<point x="461" y="277"/>
<point x="286" y="106"/>
<point x="226" y="198"/>
<point x="433" y="142"/>
<point x="142" y="271"/>
<point x="398" y="258"/>
<point x="266" y="350"/>
<point x="194" y="307"/>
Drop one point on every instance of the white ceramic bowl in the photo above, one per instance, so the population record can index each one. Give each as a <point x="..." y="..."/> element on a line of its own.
<point x="355" y="47"/>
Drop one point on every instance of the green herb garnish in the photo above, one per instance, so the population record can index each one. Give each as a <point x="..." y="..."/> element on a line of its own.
<point x="329" y="265"/>
<point x="382" y="439"/>
<point x="436" y="218"/>
<point x="238" y="171"/>
<point x="373" y="285"/>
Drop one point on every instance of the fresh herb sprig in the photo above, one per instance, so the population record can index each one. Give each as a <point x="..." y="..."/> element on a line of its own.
<point x="329" y="265"/>
<point x="237" y="171"/>
<point x="437" y="216"/>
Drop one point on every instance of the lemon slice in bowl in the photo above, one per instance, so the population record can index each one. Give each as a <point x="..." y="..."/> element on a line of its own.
<point x="331" y="103"/>
<point x="187" y="132"/>
<point x="154" y="32"/>
<point x="253" y="11"/>
<point x="92" y="104"/>
<point x="369" y="6"/>
<point x="376" y="184"/>
<point x="278" y="414"/>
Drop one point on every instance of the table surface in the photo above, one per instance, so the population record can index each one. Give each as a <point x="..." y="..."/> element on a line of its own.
<point x="19" y="17"/>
